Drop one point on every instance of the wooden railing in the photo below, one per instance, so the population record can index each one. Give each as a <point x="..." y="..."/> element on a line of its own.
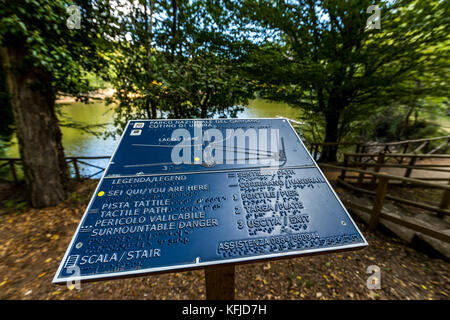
<point x="10" y="162"/>
<point x="75" y="162"/>
<point x="381" y="194"/>
<point x="407" y="146"/>
<point x="382" y="160"/>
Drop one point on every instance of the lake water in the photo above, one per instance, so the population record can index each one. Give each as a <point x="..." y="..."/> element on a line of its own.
<point x="77" y="143"/>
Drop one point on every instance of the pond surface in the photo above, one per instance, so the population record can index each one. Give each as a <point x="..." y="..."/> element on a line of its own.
<point x="78" y="143"/>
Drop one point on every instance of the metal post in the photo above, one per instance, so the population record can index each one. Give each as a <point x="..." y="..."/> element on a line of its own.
<point x="220" y="282"/>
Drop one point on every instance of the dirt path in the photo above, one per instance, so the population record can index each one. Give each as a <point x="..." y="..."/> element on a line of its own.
<point x="33" y="242"/>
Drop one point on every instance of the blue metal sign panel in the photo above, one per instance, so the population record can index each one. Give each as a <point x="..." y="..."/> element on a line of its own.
<point x="181" y="194"/>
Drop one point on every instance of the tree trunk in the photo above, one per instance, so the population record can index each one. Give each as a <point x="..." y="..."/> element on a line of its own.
<point x="405" y="126"/>
<point x="204" y="112"/>
<point x="204" y="106"/>
<point x="147" y="108"/>
<point x="153" y="106"/>
<point x="151" y="113"/>
<point x="329" y="153"/>
<point x="38" y="133"/>
<point x="174" y="29"/>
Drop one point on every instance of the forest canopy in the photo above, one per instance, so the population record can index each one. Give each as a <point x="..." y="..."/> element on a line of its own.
<point x="357" y="69"/>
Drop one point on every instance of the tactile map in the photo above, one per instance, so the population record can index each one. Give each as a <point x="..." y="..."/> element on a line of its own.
<point x="180" y="194"/>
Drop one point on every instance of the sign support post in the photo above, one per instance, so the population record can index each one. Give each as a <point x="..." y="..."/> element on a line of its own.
<point x="220" y="282"/>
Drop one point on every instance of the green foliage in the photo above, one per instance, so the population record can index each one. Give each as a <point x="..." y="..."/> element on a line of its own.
<point x="18" y="206"/>
<point x="6" y="115"/>
<point x="319" y="55"/>
<point x="37" y="34"/>
<point x="74" y="200"/>
<point x="396" y="124"/>
<point x="170" y="60"/>
<point x="39" y="29"/>
<point x="190" y="59"/>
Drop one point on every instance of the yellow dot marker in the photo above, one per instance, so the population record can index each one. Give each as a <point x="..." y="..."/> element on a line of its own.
<point x="197" y="159"/>
<point x="101" y="193"/>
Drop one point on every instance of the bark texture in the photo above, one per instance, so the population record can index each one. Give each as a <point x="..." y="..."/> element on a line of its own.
<point x="38" y="132"/>
<point x="329" y="153"/>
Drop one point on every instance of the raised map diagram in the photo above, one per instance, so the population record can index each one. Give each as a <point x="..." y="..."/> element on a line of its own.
<point x="180" y="194"/>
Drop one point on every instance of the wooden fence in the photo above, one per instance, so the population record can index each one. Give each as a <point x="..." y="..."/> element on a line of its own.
<point x="395" y="160"/>
<point x="381" y="194"/>
<point x="74" y="162"/>
<point x="407" y="146"/>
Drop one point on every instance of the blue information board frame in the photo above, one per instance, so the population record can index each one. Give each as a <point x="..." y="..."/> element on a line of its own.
<point x="269" y="226"/>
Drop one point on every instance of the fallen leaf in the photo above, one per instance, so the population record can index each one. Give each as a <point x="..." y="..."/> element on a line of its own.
<point x="335" y="277"/>
<point x="371" y="295"/>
